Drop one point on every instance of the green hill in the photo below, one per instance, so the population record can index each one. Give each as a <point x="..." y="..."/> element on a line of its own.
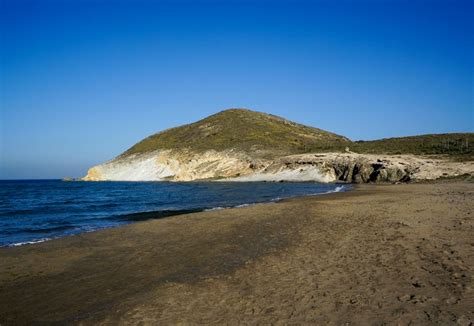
<point x="262" y="134"/>
<point x="460" y="145"/>
<point x="245" y="130"/>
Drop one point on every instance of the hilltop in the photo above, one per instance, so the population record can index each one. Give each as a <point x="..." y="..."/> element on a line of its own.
<point x="244" y="145"/>
<point x="243" y="130"/>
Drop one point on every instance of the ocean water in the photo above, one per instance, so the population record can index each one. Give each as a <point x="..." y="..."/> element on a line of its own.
<point x="33" y="211"/>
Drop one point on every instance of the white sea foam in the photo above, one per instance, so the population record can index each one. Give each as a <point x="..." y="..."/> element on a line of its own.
<point x="215" y="209"/>
<point x="337" y="189"/>
<point x="243" y="205"/>
<point x="28" y="242"/>
<point x="226" y="207"/>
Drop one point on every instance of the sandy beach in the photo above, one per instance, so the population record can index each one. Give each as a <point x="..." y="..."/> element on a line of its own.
<point x="395" y="254"/>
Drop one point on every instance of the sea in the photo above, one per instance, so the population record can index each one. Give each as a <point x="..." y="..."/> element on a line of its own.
<point x="33" y="211"/>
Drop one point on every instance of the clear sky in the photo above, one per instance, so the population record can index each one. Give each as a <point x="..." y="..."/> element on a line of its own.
<point x="81" y="81"/>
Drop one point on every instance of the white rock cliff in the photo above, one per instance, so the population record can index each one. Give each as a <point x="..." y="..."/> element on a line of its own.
<point x="182" y="165"/>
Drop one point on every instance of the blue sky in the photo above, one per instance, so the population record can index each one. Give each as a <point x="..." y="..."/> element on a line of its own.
<point x="81" y="81"/>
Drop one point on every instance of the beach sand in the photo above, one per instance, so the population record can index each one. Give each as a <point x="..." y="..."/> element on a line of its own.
<point x="395" y="254"/>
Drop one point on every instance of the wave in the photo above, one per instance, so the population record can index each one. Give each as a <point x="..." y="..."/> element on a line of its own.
<point x="226" y="207"/>
<point x="337" y="189"/>
<point x="28" y="242"/>
<point x="215" y="208"/>
<point x="244" y="205"/>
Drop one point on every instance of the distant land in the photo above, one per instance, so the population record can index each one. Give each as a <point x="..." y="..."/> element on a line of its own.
<point x="244" y="145"/>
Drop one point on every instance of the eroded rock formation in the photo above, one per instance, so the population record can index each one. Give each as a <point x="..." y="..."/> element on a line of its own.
<point x="174" y="165"/>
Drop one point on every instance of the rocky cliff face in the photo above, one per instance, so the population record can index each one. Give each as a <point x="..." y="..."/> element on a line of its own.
<point x="184" y="165"/>
<point x="174" y="165"/>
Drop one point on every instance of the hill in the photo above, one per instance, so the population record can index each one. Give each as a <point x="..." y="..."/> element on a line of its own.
<point x="456" y="145"/>
<point x="243" y="130"/>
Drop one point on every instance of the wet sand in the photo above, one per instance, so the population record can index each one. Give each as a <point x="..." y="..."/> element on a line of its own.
<point x="379" y="254"/>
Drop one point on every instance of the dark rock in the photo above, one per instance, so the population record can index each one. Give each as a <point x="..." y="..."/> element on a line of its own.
<point x="365" y="172"/>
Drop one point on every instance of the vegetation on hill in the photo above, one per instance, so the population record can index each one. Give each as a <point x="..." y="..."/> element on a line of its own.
<point x="268" y="135"/>
<point x="460" y="145"/>
<point x="244" y="130"/>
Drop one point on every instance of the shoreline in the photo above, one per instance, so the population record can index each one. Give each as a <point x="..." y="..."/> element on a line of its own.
<point x="393" y="253"/>
<point x="140" y="216"/>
